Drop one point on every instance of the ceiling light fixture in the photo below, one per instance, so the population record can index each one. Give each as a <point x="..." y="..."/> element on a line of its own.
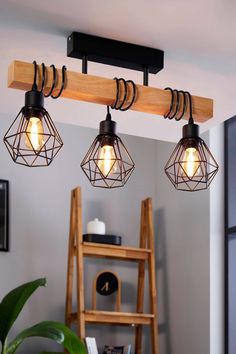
<point x="196" y="167"/>
<point x="32" y="139"/>
<point x="191" y="166"/>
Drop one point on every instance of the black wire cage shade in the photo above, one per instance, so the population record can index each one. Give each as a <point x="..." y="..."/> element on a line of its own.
<point x="107" y="163"/>
<point x="32" y="139"/>
<point x="191" y="166"/>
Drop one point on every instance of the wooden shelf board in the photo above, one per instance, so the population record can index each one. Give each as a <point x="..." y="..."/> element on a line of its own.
<point x="114" y="318"/>
<point x="116" y="252"/>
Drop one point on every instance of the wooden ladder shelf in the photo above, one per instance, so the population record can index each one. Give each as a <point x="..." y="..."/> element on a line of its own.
<point x="145" y="253"/>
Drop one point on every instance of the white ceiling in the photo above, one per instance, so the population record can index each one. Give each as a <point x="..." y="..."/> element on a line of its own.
<point x="198" y="38"/>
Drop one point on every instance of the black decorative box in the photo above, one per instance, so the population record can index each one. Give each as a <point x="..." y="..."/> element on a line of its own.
<point x="107" y="239"/>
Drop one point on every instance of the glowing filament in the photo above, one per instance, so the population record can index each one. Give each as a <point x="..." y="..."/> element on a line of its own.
<point x="191" y="164"/>
<point x="34" y="134"/>
<point x="107" y="160"/>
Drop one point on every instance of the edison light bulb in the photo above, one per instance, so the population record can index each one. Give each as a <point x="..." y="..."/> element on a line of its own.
<point x="106" y="160"/>
<point x="34" y="136"/>
<point x="191" y="162"/>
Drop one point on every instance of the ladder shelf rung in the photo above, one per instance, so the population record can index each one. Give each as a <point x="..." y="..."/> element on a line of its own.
<point x="116" y="252"/>
<point x="114" y="318"/>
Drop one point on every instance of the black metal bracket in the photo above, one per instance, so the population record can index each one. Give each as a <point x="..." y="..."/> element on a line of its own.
<point x="116" y="53"/>
<point x="145" y="75"/>
<point x="85" y="64"/>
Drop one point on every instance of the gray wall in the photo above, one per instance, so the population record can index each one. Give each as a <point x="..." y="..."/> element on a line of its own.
<point x="182" y="225"/>
<point x="39" y="223"/>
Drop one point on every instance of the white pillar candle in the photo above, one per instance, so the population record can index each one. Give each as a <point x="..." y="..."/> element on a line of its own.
<point x="96" y="227"/>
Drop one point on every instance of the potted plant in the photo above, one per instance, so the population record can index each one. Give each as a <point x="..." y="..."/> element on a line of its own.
<point x="10" y="308"/>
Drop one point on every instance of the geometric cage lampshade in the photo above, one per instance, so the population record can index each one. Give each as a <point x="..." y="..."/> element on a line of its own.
<point x="191" y="166"/>
<point x="111" y="172"/>
<point x="107" y="164"/>
<point x="32" y="139"/>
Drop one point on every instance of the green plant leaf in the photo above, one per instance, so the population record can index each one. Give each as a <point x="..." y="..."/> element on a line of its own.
<point x="42" y="329"/>
<point x="52" y="330"/>
<point x="13" y="303"/>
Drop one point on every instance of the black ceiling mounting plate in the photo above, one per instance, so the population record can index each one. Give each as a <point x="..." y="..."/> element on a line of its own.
<point x="116" y="53"/>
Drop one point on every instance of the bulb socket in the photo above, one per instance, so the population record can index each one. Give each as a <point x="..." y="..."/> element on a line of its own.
<point x="190" y="130"/>
<point x="34" y="98"/>
<point x="107" y="127"/>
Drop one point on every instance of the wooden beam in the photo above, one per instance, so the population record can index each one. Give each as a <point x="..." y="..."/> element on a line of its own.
<point x="100" y="90"/>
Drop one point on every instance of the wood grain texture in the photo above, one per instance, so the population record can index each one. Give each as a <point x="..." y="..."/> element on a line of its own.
<point x="70" y="265"/>
<point x="116" y="252"/>
<point x="79" y="262"/>
<point x="75" y="255"/>
<point x="141" y="280"/>
<point x="117" y="318"/>
<point x="101" y="90"/>
<point x="152" y="276"/>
